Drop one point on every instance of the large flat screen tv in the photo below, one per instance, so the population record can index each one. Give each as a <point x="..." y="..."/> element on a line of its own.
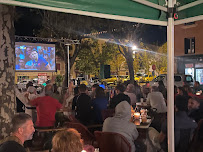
<point x="34" y="57"/>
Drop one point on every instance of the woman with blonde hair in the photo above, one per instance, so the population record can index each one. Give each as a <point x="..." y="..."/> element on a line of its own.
<point x="67" y="141"/>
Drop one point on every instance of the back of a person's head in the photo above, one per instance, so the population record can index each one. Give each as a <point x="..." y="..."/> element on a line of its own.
<point x="196" y="83"/>
<point x="187" y="88"/>
<point x="195" y="98"/>
<point x="95" y="86"/>
<point x="55" y="88"/>
<point x="120" y="87"/>
<point x="82" y="88"/>
<point x="19" y="120"/>
<point x="181" y="103"/>
<point x="123" y="110"/>
<point x="99" y="92"/>
<point x="48" y="90"/>
<point x="29" y="84"/>
<point x="67" y="141"/>
<point x="161" y="83"/>
<point x="155" y="89"/>
<point x="76" y="91"/>
<point x="31" y="89"/>
<point x="130" y="88"/>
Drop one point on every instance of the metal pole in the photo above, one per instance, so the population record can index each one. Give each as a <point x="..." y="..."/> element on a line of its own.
<point x="170" y="79"/>
<point x="68" y="64"/>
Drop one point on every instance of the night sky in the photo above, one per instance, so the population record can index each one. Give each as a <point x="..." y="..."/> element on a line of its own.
<point x="28" y="21"/>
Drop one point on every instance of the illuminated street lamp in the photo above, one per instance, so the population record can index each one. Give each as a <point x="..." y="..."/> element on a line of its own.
<point x="134" y="47"/>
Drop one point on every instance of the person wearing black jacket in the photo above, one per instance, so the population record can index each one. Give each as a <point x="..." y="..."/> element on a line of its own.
<point x="119" y="97"/>
<point x="83" y="106"/>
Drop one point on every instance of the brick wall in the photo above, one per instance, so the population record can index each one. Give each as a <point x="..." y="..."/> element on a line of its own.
<point x="188" y="31"/>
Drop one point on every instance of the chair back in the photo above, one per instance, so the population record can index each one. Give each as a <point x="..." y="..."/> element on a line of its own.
<point x="107" y="113"/>
<point x="112" y="142"/>
<point x="197" y="140"/>
<point x="184" y="141"/>
<point x="73" y="119"/>
<point x="198" y="134"/>
<point x="86" y="135"/>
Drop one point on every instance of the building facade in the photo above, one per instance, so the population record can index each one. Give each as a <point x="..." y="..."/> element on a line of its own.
<point x="189" y="49"/>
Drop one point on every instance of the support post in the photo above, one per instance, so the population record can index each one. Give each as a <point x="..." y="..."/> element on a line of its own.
<point x="170" y="76"/>
<point x="68" y="68"/>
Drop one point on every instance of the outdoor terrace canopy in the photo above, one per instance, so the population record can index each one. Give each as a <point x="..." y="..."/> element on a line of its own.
<point x="142" y="11"/>
<point x="155" y="12"/>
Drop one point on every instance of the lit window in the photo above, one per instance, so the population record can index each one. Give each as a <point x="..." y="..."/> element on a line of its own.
<point x="189" y="45"/>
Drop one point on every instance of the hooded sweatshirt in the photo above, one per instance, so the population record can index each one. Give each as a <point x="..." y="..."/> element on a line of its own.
<point x="121" y="124"/>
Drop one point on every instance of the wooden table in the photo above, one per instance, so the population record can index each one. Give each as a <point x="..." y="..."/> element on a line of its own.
<point x="51" y="130"/>
<point x="144" y="125"/>
<point x="143" y="128"/>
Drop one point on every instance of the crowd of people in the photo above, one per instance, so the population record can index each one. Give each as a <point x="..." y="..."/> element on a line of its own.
<point x="87" y="106"/>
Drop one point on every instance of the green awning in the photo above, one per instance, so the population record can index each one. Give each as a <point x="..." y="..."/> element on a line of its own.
<point x="126" y="10"/>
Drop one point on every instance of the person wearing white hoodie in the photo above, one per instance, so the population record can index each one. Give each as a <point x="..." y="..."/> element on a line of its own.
<point x="25" y="97"/>
<point x="121" y="124"/>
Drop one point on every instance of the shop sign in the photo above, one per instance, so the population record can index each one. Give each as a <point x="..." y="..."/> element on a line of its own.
<point x="189" y="65"/>
<point x="199" y="65"/>
<point x="42" y="78"/>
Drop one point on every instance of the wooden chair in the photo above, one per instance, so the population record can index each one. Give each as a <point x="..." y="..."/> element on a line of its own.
<point x="197" y="140"/>
<point x="73" y="119"/>
<point x="112" y="142"/>
<point x="86" y="135"/>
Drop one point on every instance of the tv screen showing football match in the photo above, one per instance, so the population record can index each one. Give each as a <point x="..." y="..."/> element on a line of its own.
<point x="34" y="57"/>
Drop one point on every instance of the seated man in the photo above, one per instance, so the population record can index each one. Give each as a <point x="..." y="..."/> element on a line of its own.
<point x="121" y="124"/>
<point x="195" y="109"/>
<point x="119" y="97"/>
<point x="22" y="129"/>
<point x="156" y="100"/>
<point x="182" y="121"/>
<point x="46" y="108"/>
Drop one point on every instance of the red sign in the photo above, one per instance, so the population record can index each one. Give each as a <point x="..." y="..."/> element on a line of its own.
<point x="42" y="78"/>
<point x="153" y="67"/>
<point x="189" y="65"/>
<point x="42" y="74"/>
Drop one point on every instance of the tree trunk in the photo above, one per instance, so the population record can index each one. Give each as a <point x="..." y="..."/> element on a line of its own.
<point x="7" y="74"/>
<point x="129" y="61"/>
<point x="65" y="82"/>
<point x="75" y="54"/>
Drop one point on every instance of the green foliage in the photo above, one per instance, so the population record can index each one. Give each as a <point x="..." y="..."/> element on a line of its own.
<point x="117" y="61"/>
<point x="136" y="62"/>
<point x="143" y="59"/>
<point x="59" y="80"/>
<point x="94" y="53"/>
<point x="161" y="59"/>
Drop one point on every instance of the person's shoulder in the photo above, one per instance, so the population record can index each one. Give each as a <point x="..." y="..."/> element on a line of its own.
<point x="84" y="95"/>
<point x="107" y="120"/>
<point x="29" y="62"/>
<point x="52" y="98"/>
<point x="125" y="95"/>
<point x="41" y="59"/>
<point x="11" y="146"/>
